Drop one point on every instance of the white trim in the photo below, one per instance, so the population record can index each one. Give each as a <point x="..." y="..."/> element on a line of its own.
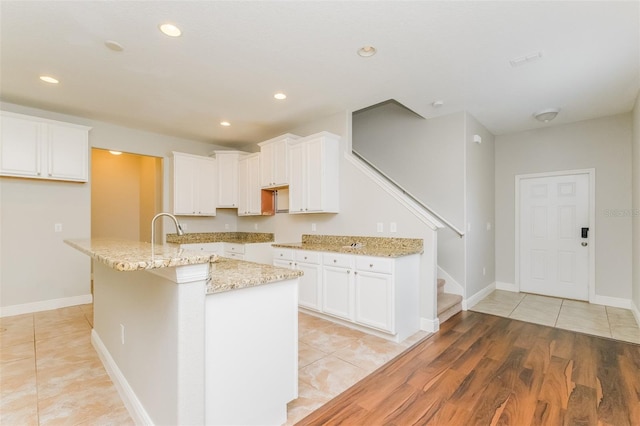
<point x="450" y="285"/>
<point x="473" y="300"/>
<point x="636" y="312"/>
<point x="429" y="325"/>
<point x="136" y="410"/>
<point x="411" y="206"/>
<point x="615" y="302"/>
<point x="507" y="287"/>
<point x="183" y="274"/>
<point x="45" y="305"/>
<point x="592" y="222"/>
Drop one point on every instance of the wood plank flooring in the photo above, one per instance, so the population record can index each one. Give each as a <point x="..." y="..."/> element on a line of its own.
<point x="482" y="369"/>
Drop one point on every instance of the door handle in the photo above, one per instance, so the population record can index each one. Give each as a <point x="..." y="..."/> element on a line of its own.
<point x="584" y="244"/>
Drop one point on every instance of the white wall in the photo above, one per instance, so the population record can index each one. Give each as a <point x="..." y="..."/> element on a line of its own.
<point x="480" y="207"/>
<point x="636" y="207"/>
<point x="603" y="144"/>
<point x="35" y="264"/>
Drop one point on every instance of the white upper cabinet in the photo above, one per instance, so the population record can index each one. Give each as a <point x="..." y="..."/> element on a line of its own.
<point x="228" y="177"/>
<point x="314" y="174"/>
<point x="274" y="161"/>
<point x="249" y="190"/>
<point x="43" y="149"/>
<point x="194" y="185"/>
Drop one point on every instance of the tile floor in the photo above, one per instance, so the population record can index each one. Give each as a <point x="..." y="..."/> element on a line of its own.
<point x="51" y="374"/>
<point x="573" y="315"/>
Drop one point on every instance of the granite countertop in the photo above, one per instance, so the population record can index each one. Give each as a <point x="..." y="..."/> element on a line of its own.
<point x="368" y="246"/>
<point x="127" y="255"/>
<point x="221" y="237"/>
<point x="231" y="274"/>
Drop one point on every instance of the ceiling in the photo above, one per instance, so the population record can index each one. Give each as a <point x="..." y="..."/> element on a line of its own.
<point x="234" y="55"/>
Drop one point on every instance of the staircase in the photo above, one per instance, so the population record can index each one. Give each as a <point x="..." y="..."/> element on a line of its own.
<point x="448" y="304"/>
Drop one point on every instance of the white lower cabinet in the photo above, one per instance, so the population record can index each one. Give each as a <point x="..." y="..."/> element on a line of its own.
<point x="371" y="293"/>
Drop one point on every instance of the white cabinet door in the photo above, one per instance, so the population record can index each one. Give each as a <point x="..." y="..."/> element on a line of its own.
<point x="249" y="190"/>
<point x="267" y="165"/>
<point x="274" y="161"/>
<point x="228" y="178"/>
<point x="313" y="174"/>
<point x="337" y="298"/>
<point x="67" y="153"/>
<point x="194" y="185"/>
<point x="206" y="187"/>
<point x="46" y="149"/>
<point x="374" y="300"/>
<point x="20" y="147"/>
<point x="280" y="162"/>
<point x="309" y="290"/>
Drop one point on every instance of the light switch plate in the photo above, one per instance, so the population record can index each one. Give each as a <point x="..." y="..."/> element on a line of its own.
<point x="380" y="227"/>
<point x="57" y="227"/>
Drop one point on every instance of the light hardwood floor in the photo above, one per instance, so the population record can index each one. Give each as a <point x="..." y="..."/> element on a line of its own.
<point x="483" y="369"/>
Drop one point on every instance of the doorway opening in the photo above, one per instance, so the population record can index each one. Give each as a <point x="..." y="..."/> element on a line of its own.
<point x="126" y="192"/>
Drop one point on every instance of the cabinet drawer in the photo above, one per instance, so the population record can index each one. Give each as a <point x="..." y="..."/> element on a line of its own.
<point x="339" y="260"/>
<point x="374" y="264"/>
<point x="308" y="256"/>
<point x="234" y="248"/>
<point x="282" y="254"/>
<point x="231" y="255"/>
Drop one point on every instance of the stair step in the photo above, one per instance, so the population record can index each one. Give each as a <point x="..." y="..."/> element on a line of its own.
<point x="441" y="283"/>
<point x="448" y="306"/>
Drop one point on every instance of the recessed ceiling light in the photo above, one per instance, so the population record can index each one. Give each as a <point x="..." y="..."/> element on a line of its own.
<point x="114" y="45"/>
<point x="225" y="123"/>
<point x="438" y="103"/>
<point x="367" y="51"/>
<point x="546" y="115"/>
<point x="170" y="30"/>
<point x="280" y="96"/>
<point x="116" y="152"/>
<point x="49" y="79"/>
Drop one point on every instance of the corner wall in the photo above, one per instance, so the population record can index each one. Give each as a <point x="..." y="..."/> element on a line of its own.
<point x="635" y="290"/>
<point x="603" y="144"/>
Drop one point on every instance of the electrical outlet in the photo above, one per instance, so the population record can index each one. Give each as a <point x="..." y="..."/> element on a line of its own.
<point x="314" y="227"/>
<point x="122" y="333"/>
<point x="393" y="227"/>
<point x="380" y="227"/>
<point x="484" y="271"/>
<point x="488" y="226"/>
<point x="184" y="226"/>
<point x="57" y="227"/>
<point x="255" y="226"/>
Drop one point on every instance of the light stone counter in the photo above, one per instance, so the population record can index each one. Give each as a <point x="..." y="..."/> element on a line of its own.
<point x="127" y="255"/>
<point x="368" y="246"/>
<point x="230" y="274"/>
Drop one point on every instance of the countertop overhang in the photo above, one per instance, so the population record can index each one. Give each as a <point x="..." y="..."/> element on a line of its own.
<point x="365" y="246"/>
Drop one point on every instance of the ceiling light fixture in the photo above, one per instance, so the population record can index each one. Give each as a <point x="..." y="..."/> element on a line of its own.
<point x="225" y="123"/>
<point x="114" y="45"/>
<point x="116" y="152"/>
<point x="49" y="79"/>
<point x="170" y="30"/>
<point x="280" y="96"/>
<point x="367" y="51"/>
<point x="546" y="115"/>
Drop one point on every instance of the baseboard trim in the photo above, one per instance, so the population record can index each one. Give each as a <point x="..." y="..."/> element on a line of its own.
<point x="507" y="287"/>
<point x="45" y="305"/>
<point x="636" y="312"/>
<point x="615" y="302"/>
<point x="137" y="412"/>
<point x="473" y="300"/>
<point x="429" y="325"/>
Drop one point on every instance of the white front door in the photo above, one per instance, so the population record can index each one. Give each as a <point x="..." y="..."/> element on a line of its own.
<point x="554" y="256"/>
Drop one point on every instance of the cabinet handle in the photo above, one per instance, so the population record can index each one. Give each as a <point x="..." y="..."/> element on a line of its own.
<point x="281" y="256"/>
<point x="305" y="258"/>
<point x="349" y="271"/>
<point x="355" y="273"/>
<point x="335" y="260"/>
<point x="371" y="265"/>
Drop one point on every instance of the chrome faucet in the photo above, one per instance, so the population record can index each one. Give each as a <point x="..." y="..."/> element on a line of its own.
<point x="153" y="226"/>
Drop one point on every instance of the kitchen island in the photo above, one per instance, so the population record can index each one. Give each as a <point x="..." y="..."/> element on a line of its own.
<point x="194" y="339"/>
